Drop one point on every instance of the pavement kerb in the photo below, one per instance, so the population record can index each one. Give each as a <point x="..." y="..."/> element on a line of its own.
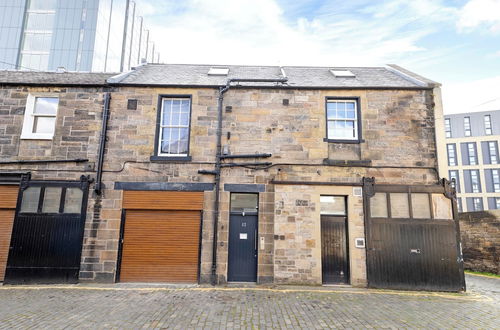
<point x="450" y="295"/>
<point x="483" y="275"/>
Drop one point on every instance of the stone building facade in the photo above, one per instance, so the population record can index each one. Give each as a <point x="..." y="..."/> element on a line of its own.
<point x="286" y="122"/>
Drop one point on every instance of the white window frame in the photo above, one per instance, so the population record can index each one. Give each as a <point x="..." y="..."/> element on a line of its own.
<point x="447" y="127"/>
<point x="495" y="179"/>
<point x="487" y="125"/>
<point x="29" y="118"/>
<point x="471" y="151"/>
<point x="492" y="147"/>
<point x="354" y="120"/>
<point x="452" y="154"/>
<point x="497" y="202"/>
<point x="475" y="182"/>
<point x="162" y="126"/>
<point x="479" y="205"/>
<point x="467" y="128"/>
<point x="454" y="175"/>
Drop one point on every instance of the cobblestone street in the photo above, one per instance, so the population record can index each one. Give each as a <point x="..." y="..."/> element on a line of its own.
<point x="138" y="306"/>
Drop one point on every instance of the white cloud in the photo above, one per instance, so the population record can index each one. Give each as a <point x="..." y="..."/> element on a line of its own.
<point x="259" y="32"/>
<point x="478" y="13"/>
<point x="477" y="95"/>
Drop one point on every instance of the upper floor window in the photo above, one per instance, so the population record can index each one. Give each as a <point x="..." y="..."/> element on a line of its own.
<point x="40" y="117"/>
<point x="495" y="178"/>
<point x="477" y="203"/>
<point x="452" y="155"/>
<point x="492" y="146"/>
<point x="471" y="150"/>
<point x="173" y="128"/>
<point x="459" y="204"/>
<point x="487" y="125"/>
<point x="474" y="178"/>
<point x="342" y="120"/>
<point x="467" y="130"/>
<point x="497" y="203"/>
<point x="447" y="127"/>
<point x="454" y="178"/>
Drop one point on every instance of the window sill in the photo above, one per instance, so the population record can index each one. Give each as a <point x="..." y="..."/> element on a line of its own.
<point x="36" y="137"/>
<point x="343" y="141"/>
<point x="170" y="159"/>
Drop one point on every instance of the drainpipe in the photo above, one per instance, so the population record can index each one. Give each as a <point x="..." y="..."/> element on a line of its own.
<point x="218" y="165"/>
<point x="102" y="144"/>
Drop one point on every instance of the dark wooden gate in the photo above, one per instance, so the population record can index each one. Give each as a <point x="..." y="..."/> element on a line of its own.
<point x="412" y="237"/>
<point x="47" y="234"/>
<point x="334" y="250"/>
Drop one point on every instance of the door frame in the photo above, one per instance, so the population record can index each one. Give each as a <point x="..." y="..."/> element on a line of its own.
<point x="348" y="255"/>
<point x="256" y="213"/>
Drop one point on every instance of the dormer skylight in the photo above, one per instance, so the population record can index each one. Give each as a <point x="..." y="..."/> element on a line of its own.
<point x="218" y="71"/>
<point x="342" y="73"/>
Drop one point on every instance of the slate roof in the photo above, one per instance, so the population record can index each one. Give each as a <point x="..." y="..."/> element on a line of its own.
<point x="298" y="76"/>
<point x="9" y="77"/>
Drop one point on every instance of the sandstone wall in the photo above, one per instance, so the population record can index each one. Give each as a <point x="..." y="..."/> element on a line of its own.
<point x="480" y="233"/>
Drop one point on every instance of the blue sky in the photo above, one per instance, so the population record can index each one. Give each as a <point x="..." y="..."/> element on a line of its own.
<point x="455" y="42"/>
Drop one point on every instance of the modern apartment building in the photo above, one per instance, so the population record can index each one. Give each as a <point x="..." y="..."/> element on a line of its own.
<point x="472" y="160"/>
<point x="78" y="35"/>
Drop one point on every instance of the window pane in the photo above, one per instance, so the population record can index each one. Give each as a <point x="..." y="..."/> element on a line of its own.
<point x="51" y="200"/>
<point x="45" y="125"/>
<point x="43" y="4"/>
<point x="334" y="205"/>
<point x="73" y="200"/>
<point x="183" y="143"/>
<point x="378" y="205"/>
<point x="420" y="206"/>
<point x="185" y="106"/>
<point x="399" y="205"/>
<point x="441" y="207"/>
<point x="31" y="197"/>
<point x="46" y="105"/>
<point x="40" y="21"/>
<point x="331" y="110"/>
<point x="244" y="202"/>
<point x="167" y="108"/>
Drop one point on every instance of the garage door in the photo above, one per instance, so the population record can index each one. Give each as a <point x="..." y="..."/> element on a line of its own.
<point x="413" y="238"/>
<point x="8" y="199"/>
<point x="161" y="237"/>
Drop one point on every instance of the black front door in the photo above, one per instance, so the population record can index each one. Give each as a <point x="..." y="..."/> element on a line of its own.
<point x="242" y="265"/>
<point x="47" y="234"/>
<point x="334" y="250"/>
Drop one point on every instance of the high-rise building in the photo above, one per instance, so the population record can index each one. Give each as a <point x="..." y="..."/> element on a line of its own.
<point x="472" y="159"/>
<point x="78" y="35"/>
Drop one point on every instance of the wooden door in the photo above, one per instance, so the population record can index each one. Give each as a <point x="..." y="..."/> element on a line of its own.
<point x="160" y="246"/>
<point x="334" y="251"/>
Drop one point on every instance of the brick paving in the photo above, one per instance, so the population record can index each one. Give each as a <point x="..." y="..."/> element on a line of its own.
<point x="140" y="306"/>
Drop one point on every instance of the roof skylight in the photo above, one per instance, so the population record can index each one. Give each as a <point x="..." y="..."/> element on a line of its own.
<point x="218" y="71"/>
<point x="342" y="73"/>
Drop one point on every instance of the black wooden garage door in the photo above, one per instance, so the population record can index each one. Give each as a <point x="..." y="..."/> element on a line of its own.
<point x="47" y="234"/>
<point x="412" y="237"/>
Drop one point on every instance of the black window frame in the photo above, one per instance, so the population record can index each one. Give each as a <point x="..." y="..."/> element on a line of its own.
<point x="156" y="156"/>
<point x="356" y="99"/>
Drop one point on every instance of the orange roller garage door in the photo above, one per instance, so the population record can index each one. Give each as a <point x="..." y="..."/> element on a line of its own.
<point x="8" y="200"/>
<point x="160" y="246"/>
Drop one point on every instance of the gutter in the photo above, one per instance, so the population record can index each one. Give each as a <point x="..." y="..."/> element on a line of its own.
<point x="102" y="144"/>
<point x="218" y="164"/>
